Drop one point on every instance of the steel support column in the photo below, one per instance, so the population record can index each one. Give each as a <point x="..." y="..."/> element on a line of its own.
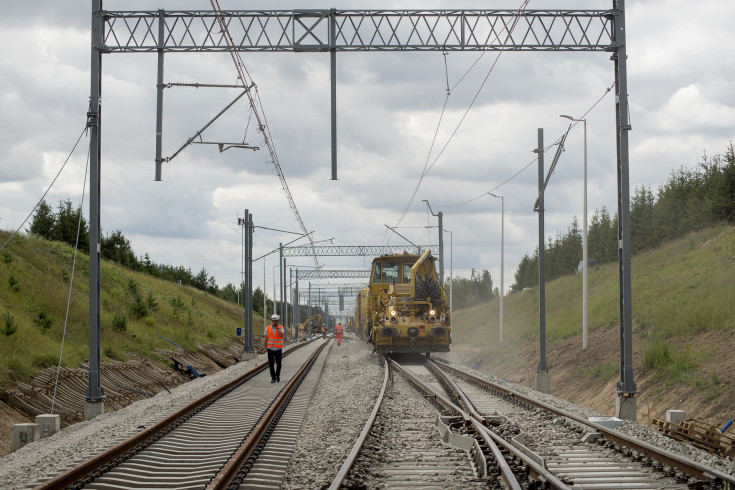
<point x="95" y="395"/>
<point x="159" y="98"/>
<point x="626" y="387"/>
<point x="333" y="84"/>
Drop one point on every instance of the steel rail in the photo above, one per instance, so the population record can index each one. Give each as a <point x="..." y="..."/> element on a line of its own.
<point x="87" y="471"/>
<point x="506" y="473"/>
<point x="492" y="440"/>
<point x="682" y="463"/>
<point x="352" y="457"/>
<point x="230" y="474"/>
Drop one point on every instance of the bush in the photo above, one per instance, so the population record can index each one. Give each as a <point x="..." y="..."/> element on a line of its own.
<point x="152" y="302"/>
<point x="10" y="326"/>
<point x="139" y="309"/>
<point x="120" y="323"/>
<point x="7" y="258"/>
<point x="44" y="320"/>
<point x="13" y="282"/>
<point x="178" y="305"/>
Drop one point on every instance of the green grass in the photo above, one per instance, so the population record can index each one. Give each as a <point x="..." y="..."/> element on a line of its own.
<point x="601" y="372"/>
<point x="42" y="274"/>
<point x="679" y="289"/>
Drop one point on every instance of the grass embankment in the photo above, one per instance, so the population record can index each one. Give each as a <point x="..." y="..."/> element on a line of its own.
<point x="679" y="291"/>
<point x="136" y="310"/>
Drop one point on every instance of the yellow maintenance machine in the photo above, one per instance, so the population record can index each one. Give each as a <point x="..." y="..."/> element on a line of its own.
<point x="404" y="307"/>
<point x="308" y="327"/>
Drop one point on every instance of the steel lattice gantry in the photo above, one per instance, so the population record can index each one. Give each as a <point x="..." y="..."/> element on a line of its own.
<point x="333" y="274"/>
<point x="354" y="250"/>
<point x="361" y="30"/>
<point x="358" y="30"/>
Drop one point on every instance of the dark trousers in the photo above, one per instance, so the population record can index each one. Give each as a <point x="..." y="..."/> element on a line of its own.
<point x="274" y="357"/>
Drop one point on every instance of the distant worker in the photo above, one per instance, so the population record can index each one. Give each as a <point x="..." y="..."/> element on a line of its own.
<point x="338" y="331"/>
<point x="324" y="331"/>
<point x="274" y="346"/>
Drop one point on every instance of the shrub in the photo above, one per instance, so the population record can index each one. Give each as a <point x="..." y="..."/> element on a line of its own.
<point x="152" y="302"/>
<point x="178" y="305"/>
<point x="44" y="320"/>
<point x="7" y="258"/>
<point x="13" y="282"/>
<point x="120" y="323"/>
<point x="10" y="326"/>
<point x="65" y="275"/>
<point x="139" y="309"/>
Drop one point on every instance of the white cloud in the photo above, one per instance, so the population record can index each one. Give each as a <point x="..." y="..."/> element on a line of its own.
<point x="688" y="110"/>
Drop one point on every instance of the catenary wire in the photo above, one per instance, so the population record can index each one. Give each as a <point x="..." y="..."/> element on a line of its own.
<point x="47" y="189"/>
<point x="426" y="169"/>
<point x="607" y="91"/>
<point x="71" y="282"/>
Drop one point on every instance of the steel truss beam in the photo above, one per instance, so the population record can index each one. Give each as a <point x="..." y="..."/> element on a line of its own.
<point x="354" y="250"/>
<point x="333" y="274"/>
<point x="361" y="30"/>
<point x="332" y="291"/>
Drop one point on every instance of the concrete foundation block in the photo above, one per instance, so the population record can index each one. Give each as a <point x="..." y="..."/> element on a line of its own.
<point x="49" y="424"/>
<point x="25" y="434"/>
<point x="93" y="409"/>
<point x="591" y="437"/>
<point x="625" y="407"/>
<point x="543" y="382"/>
<point x="609" y="422"/>
<point x="675" y="416"/>
<point x="248" y="356"/>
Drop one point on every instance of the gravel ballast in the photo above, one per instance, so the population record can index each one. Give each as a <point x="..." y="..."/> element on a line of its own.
<point x="350" y="382"/>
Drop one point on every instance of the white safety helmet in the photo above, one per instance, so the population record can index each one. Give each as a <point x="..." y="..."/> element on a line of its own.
<point x="275" y="317"/>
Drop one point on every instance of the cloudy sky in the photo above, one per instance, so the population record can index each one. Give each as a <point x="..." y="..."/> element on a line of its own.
<point x="681" y="74"/>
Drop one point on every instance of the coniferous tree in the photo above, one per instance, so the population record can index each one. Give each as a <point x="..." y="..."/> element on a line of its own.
<point x="44" y="221"/>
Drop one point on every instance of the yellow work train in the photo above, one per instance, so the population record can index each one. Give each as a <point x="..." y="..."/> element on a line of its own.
<point x="404" y="307"/>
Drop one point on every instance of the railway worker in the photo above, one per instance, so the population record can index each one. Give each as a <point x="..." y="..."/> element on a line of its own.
<point x="274" y="346"/>
<point x="324" y="331"/>
<point x="338" y="331"/>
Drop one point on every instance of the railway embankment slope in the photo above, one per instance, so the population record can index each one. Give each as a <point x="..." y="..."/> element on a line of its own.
<point x="683" y="323"/>
<point x="146" y="324"/>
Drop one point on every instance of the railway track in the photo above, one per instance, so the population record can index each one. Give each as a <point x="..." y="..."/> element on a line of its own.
<point x="519" y="443"/>
<point x="237" y="442"/>
<point x="214" y="440"/>
<point x="620" y="447"/>
<point x="401" y="447"/>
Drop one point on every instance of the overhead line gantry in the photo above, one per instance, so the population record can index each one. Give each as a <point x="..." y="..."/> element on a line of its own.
<point x="335" y="30"/>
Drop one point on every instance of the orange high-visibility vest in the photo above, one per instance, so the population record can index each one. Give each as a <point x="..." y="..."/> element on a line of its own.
<point x="274" y="339"/>
<point x="339" y="329"/>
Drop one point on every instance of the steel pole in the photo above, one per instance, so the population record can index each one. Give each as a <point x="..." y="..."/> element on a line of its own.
<point x="585" y="265"/>
<point x="333" y="86"/>
<point x="542" y="366"/>
<point x="95" y="395"/>
<point x="159" y="96"/>
<point x="502" y="242"/>
<point x="626" y="386"/>
<point x="441" y="248"/>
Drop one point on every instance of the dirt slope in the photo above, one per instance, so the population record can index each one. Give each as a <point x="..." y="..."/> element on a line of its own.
<point x="713" y="403"/>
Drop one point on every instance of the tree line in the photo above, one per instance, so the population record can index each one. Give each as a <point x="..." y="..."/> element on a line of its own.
<point x="691" y="199"/>
<point x="478" y="289"/>
<point x="62" y="226"/>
